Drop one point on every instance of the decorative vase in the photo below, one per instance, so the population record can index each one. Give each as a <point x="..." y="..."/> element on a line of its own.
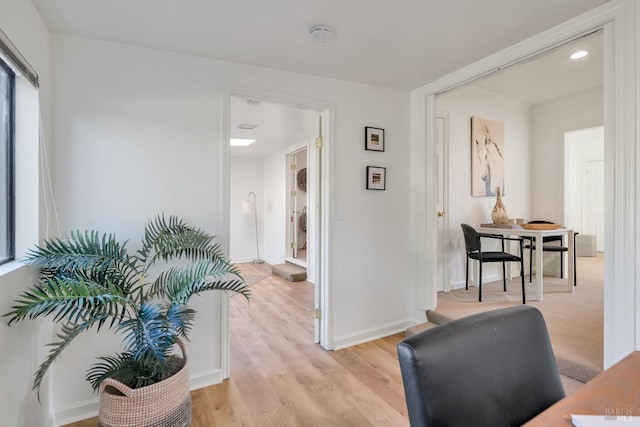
<point x="499" y="213"/>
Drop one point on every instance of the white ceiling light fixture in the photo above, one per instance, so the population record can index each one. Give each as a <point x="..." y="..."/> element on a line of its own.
<point x="238" y="142"/>
<point x="247" y="126"/>
<point x="579" y="54"/>
<point x="320" y="33"/>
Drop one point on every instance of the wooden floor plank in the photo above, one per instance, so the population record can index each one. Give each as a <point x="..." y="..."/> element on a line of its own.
<point x="280" y="377"/>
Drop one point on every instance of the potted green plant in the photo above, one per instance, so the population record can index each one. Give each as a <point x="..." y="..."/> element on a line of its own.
<point x="90" y="281"/>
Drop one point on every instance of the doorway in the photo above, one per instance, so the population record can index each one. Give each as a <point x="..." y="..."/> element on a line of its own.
<point x="284" y="126"/>
<point x="584" y="182"/>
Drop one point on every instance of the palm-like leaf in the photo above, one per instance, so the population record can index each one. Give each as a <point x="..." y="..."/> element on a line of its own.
<point x="86" y="255"/>
<point x="72" y="300"/>
<point x="173" y="239"/>
<point x="68" y="333"/>
<point x="89" y="278"/>
<point x="172" y="281"/>
<point x="124" y="368"/>
<point x="147" y="336"/>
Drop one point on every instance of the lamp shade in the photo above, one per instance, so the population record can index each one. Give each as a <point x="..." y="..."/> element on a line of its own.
<point x="248" y="206"/>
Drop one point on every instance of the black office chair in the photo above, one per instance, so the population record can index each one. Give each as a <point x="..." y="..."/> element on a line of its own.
<point x="491" y="369"/>
<point x="551" y="244"/>
<point x="473" y="244"/>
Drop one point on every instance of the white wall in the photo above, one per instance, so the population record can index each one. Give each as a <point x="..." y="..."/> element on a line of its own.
<point x="275" y="210"/>
<point x="23" y="344"/>
<point x="247" y="175"/>
<point x="550" y="122"/>
<point x="461" y="105"/>
<point x="139" y="132"/>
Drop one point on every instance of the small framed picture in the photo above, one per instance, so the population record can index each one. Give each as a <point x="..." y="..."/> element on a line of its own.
<point x="376" y="178"/>
<point x="373" y="139"/>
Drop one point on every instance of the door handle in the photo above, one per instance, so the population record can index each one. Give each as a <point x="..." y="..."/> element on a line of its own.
<point x="442" y="214"/>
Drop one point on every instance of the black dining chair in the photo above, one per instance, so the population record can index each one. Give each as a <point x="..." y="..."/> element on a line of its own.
<point x="551" y="244"/>
<point x="473" y="245"/>
<point x="492" y="369"/>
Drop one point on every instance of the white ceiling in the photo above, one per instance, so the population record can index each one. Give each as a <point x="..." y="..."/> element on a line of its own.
<point x="279" y="126"/>
<point x="552" y="75"/>
<point x="400" y="44"/>
<point x="397" y="44"/>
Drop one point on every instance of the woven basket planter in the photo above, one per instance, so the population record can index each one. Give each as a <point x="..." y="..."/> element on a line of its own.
<point x="163" y="404"/>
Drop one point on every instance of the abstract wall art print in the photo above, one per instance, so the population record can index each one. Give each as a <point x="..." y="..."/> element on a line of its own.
<point x="487" y="157"/>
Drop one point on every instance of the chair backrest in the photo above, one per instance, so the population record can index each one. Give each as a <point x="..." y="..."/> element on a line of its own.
<point x="471" y="238"/>
<point x="492" y="369"/>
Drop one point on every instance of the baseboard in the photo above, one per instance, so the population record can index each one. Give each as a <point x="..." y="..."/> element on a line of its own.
<point x="372" y="334"/>
<point x="243" y="260"/>
<point x="77" y="412"/>
<point x="205" y="379"/>
<point x="89" y="408"/>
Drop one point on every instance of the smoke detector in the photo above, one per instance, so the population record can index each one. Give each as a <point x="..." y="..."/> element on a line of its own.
<point x="320" y="33"/>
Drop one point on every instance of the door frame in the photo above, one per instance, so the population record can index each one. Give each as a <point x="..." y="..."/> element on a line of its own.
<point x="622" y="301"/>
<point x="293" y="222"/>
<point x="444" y="176"/>
<point x="324" y="201"/>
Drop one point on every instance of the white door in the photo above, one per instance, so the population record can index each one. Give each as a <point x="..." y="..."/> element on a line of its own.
<point x="593" y="180"/>
<point x="442" y="275"/>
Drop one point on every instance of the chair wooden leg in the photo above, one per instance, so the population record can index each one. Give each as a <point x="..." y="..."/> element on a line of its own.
<point x="480" y="284"/>
<point x="562" y="265"/>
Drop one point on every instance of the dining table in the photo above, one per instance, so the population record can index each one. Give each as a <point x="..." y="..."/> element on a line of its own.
<point x="538" y="234"/>
<point x="611" y="398"/>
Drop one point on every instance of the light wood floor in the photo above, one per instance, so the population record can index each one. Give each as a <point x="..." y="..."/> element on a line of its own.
<point x="279" y="377"/>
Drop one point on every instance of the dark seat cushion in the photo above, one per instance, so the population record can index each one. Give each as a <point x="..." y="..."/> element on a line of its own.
<point x="494" y="256"/>
<point x="491" y="369"/>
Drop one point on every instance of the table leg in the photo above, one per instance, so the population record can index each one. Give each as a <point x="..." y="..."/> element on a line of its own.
<point x="539" y="264"/>
<point x="572" y="265"/>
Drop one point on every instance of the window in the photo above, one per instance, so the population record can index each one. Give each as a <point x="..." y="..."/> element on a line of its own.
<point x="7" y="200"/>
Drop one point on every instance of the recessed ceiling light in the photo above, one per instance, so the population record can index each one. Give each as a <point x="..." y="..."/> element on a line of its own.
<point x="579" y="54"/>
<point x="247" y="126"/>
<point x="235" y="142"/>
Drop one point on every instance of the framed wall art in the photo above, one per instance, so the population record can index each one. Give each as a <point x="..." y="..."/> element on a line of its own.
<point x="487" y="157"/>
<point x="373" y="139"/>
<point x="376" y="178"/>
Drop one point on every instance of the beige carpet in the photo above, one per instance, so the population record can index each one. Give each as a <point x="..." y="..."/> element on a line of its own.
<point x="574" y="320"/>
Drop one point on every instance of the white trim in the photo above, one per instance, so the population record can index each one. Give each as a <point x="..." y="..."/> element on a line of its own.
<point x="622" y="298"/>
<point x="205" y="379"/>
<point x="372" y="334"/>
<point x="89" y="408"/>
<point x="225" y="338"/>
<point x="77" y="412"/>
<point x="444" y="115"/>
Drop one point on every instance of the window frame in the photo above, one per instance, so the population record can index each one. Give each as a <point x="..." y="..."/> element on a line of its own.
<point x="10" y="167"/>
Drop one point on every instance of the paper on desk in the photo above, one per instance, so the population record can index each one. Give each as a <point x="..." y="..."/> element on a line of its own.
<point x="605" y="421"/>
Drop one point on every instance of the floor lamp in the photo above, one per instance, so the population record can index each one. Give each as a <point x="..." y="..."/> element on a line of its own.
<point x="250" y="206"/>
